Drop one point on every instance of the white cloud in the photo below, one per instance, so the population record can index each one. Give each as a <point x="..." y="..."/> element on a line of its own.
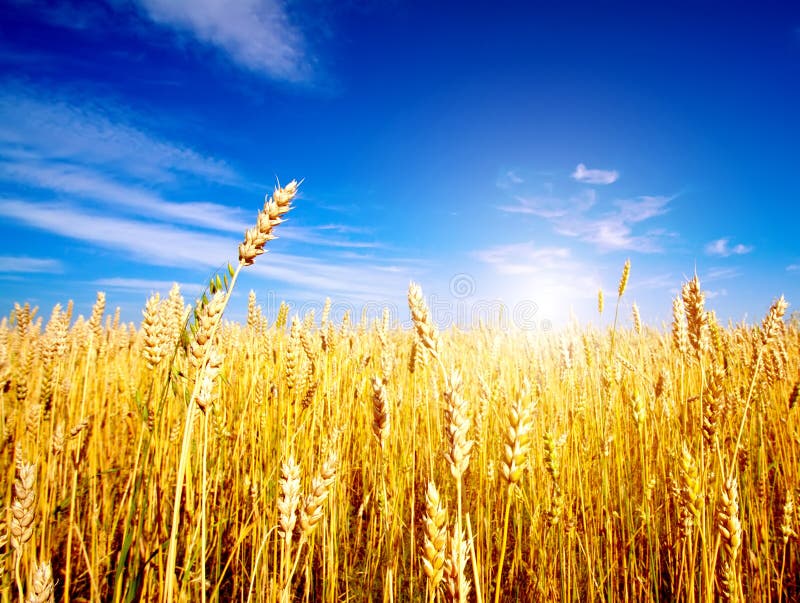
<point x="19" y="264"/>
<point x="509" y="179"/>
<point x="581" y="216"/>
<point x="86" y="183"/>
<point x="583" y="174"/>
<point x="147" y="286"/>
<point x="793" y="268"/>
<point x="166" y="245"/>
<point x="551" y="207"/>
<point x="641" y="209"/>
<point x="42" y="126"/>
<point x="257" y="34"/>
<point x="664" y="280"/>
<point x="722" y="248"/>
<point x="312" y="236"/>
<point x="713" y="294"/>
<point x="523" y="258"/>
<point x="718" y="274"/>
<point x="155" y="244"/>
<point x="614" y="230"/>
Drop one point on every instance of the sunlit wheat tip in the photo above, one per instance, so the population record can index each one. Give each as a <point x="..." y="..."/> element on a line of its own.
<point x="623" y="281"/>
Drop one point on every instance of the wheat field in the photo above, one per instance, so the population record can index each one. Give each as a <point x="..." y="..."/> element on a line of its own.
<point x="188" y="458"/>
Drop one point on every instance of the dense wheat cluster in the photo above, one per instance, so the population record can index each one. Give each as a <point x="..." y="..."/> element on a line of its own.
<point x="294" y="459"/>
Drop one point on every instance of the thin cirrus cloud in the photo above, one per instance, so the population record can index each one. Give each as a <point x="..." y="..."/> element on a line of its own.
<point x="64" y="167"/>
<point x="25" y="265"/>
<point x="580" y="216"/>
<point x="51" y="129"/>
<point x="256" y="34"/>
<point x="722" y="248"/>
<point x="551" y="207"/>
<point x="158" y="244"/>
<point x="76" y="181"/>
<point x="717" y="273"/>
<point x="97" y="156"/>
<point x="77" y="171"/>
<point x="614" y="230"/>
<point x="524" y="258"/>
<point x="609" y="227"/>
<point x="142" y="285"/>
<point x="594" y="176"/>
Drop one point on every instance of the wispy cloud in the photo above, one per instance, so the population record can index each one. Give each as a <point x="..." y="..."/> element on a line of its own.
<point x="88" y="184"/>
<point x="609" y="227"/>
<point x="594" y="176"/>
<point x="723" y="248"/>
<point x="719" y="274"/>
<point x="155" y="244"/>
<point x="523" y="258"/>
<point x="509" y="178"/>
<point x="167" y="245"/>
<point x="614" y="230"/>
<point x="664" y="280"/>
<point x="21" y="265"/>
<point x="315" y="235"/>
<point x="793" y="268"/>
<point x="711" y="294"/>
<point x="256" y="34"/>
<point x="146" y="286"/>
<point x="551" y="206"/>
<point x="47" y="127"/>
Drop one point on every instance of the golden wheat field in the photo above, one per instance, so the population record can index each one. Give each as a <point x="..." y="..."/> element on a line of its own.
<point x="187" y="458"/>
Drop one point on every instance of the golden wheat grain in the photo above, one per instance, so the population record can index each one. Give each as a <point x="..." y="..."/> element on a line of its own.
<point x="680" y="333"/>
<point x="696" y="317"/>
<point x="434" y="524"/>
<point x="204" y="396"/>
<point x="457" y="586"/>
<point x="623" y="281"/>
<point x="96" y="322"/>
<point x="787" y="519"/>
<point x="41" y="584"/>
<point x="730" y="529"/>
<point x="22" y="375"/>
<point x="637" y="320"/>
<point x="691" y="494"/>
<point x="457" y="425"/>
<point x="22" y="509"/>
<point x="517" y="441"/>
<point x="423" y="324"/>
<point x="289" y="499"/>
<point x="713" y="404"/>
<point x="381" y="413"/>
<point x="208" y="317"/>
<point x="292" y="361"/>
<point x="268" y="218"/>
<point x="311" y="513"/>
<point x="152" y="350"/>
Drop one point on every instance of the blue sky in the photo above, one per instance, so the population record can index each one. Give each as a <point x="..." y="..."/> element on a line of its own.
<point x="490" y="151"/>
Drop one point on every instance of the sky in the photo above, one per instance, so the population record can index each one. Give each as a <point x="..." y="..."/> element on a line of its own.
<point x="508" y="154"/>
